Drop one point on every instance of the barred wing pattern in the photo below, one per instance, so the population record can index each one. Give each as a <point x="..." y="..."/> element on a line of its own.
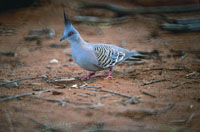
<point x="107" y="56"/>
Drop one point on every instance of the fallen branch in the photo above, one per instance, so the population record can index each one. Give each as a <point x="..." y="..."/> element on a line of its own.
<point x="9" y="53"/>
<point x="182" y="21"/>
<point x="116" y="93"/>
<point x="36" y="122"/>
<point x="154" y="81"/>
<point x="151" y="95"/>
<point x="98" y="20"/>
<point x="167" y="69"/>
<point x="190" y="118"/>
<point x="166" y="108"/>
<point x="61" y="101"/>
<point x="179" y="84"/>
<point x="177" y="28"/>
<point x="44" y="127"/>
<point x="111" y="92"/>
<point x="18" y="80"/>
<point x="121" y="11"/>
<point x="9" y="120"/>
<point x="177" y="121"/>
<point x="139" y="114"/>
<point x="22" y="95"/>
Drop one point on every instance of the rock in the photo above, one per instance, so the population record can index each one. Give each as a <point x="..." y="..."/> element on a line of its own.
<point x="75" y="86"/>
<point x="36" y="89"/>
<point x="57" y="92"/>
<point x="44" y="76"/>
<point x="53" y="61"/>
<point x="97" y="105"/>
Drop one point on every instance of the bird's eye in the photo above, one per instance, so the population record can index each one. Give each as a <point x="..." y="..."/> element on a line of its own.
<point x="70" y="34"/>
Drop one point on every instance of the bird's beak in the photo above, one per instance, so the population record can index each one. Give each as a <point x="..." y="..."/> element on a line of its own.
<point x="62" y="38"/>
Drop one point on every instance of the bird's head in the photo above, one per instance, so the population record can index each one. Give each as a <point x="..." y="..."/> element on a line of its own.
<point x="70" y="33"/>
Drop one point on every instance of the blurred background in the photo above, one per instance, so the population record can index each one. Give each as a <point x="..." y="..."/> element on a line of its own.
<point x="159" y="92"/>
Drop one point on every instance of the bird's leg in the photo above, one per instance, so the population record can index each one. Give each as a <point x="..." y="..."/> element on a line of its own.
<point x="88" y="76"/>
<point x="109" y="74"/>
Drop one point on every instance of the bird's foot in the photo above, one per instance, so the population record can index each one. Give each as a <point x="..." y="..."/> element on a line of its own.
<point x="109" y="74"/>
<point x="88" y="76"/>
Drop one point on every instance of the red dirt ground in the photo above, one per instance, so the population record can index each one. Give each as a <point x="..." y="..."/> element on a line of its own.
<point x="32" y="114"/>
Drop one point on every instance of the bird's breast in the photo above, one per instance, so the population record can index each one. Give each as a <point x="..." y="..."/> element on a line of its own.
<point x="86" y="59"/>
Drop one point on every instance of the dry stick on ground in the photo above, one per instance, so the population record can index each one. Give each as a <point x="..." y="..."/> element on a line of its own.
<point x="62" y="101"/>
<point x="181" y="21"/>
<point x="34" y="121"/>
<point x="22" y="95"/>
<point x="190" y="118"/>
<point x="121" y="11"/>
<point x="91" y="19"/>
<point x="167" y="107"/>
<point x="44" y="127"/>
<point x="144" y="112"/>
<point x="111" y="92"/>
<point x="179" y="84"/>
<point x="9" y="120"/>
<point x="181" y="25"/>
<point x="168" y="69"/>
<point x="154" y="81"/>
<point x="179" y="28"/>
<point x="146" y="93"/>
<point x="18" y="80"/>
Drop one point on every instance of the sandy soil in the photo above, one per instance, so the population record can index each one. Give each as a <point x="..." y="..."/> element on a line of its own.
<point x="95" y="110"/>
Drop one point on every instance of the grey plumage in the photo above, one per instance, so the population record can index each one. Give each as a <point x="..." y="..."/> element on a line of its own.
<point x="109" y="55"/>
<point x="93" y="57"/>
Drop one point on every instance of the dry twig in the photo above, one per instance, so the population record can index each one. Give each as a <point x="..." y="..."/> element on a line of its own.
<point x="9" y="120"/>
<point x="18" y="80"/>
<point x="22" y="95"/>
<point x="146" y="93"/>
<point x="111" y="92"/>
<point x="179" y="84"/>
<point x="62" y="101"/>
<point x="121" y="11"/>
<point x="154" y="81"/>
<point x="190" y="118"/>
<point x="98" y="20"/>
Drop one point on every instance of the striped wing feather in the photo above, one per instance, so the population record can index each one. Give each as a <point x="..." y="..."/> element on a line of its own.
<point x="108" y="56"/>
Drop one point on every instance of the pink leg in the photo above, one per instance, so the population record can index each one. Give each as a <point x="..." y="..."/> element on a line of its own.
<point x="88" y="76"/>
<point x="109" y="74"/>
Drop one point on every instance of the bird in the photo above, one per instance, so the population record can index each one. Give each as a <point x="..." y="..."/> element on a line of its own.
<point x="93" y="57"/>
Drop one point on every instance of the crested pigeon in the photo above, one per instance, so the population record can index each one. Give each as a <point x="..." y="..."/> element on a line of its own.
<point x="93" y="57"/>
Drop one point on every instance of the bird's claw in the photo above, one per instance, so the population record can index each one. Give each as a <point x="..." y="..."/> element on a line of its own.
<point x="87" y="77"/>
<point x="107" y="77"/>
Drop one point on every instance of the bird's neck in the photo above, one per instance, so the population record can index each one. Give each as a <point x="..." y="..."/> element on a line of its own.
<point x="77" y="42"/>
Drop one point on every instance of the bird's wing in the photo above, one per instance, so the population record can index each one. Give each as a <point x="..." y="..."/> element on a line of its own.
<point x="108" y="55"/>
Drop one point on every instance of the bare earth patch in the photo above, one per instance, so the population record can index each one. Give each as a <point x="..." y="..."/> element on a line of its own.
<point x="158" y="95"/>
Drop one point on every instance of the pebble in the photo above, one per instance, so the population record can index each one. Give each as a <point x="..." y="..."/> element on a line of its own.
<point x="57" y="92"/>
<point x="74" y="86"/>
<point x="97" y="105"/>
<point x="53" y="61"/>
